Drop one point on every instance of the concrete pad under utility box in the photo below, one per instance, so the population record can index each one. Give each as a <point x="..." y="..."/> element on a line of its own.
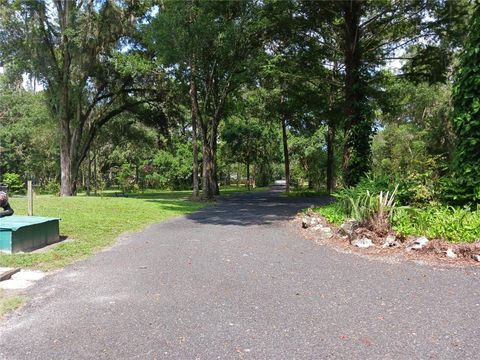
<point x="26" y="233"/>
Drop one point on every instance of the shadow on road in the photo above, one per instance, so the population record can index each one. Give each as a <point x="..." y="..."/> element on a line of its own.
<point x="261" y="208"/>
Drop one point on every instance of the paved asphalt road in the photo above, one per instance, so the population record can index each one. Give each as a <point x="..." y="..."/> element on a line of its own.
<point x="234" y="282"/>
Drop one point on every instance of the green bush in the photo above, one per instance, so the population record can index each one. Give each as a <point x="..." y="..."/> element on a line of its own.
<point x="125" y="178"/>
<point x="52" y="187"/>
<point x="373" y="184"/>
<point x="458" y="190"/>
<point x="415" y="189"/>
<point x="373" y="211"/>
<point x="14" y="182"/>
<point x="422" y="215"/>
<point x="438" y="221"/>
<point x="173" y="170"/>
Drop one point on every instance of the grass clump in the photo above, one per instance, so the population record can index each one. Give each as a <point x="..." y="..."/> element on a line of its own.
<point x="9" y="303"/>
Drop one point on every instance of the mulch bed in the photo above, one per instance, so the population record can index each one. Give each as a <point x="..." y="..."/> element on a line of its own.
<point x="434" y="253"/>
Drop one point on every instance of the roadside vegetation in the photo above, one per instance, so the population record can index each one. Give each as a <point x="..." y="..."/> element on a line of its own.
<point x="407" y="215"/>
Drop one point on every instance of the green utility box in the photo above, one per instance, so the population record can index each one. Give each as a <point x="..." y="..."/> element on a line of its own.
<point x="26" y="233"/>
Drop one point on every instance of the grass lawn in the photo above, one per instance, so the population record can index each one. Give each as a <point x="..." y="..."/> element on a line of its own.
<point x="95" y="222"/>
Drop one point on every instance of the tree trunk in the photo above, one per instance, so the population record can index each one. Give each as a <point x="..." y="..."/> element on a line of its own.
<point x="196" y="184"/>
<point x="137" y="173"/>
<point x="215" y="173"/>
<point x="195" y="112"/>
<point x="330" y="158"/>
<point x="254" y="178"/>
<point x="357" y="129"/>
<point x="352" y="64"/>
<point x="213" y="155"/>
<point x="311" y="185"/>
<point x="82" y="176"/>
<point x="285" y="153"/>
<point x="89" y="173"/>
<point x="331" y="130"/>
<point x="209" y="187"/>
<point x="209" y="133"/>
<point x="248" y="175"/>
<point x="67" y="182"/>
<point x="228" y="176"/>
<point x="95" y="170"/>
<point x="68" y="174"/>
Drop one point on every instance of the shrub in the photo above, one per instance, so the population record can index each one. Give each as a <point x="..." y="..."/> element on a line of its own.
<point x="374" y="211"/>
<point x="173" y="170"/>
<point x="14" y="182"/>
<point x="52" y="187"/>
<point x="438" y="221"/>
<point x="125" y="177"/>
<point x="378" y="211"/>
<point x="458" y="190"/>
<point x="418" y="189"/>
<point x="373" y="184"/>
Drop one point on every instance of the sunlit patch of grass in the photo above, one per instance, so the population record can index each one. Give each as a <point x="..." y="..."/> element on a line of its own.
<point x="333" y="212"/>
<point x="9" y="303"/>
<point x="227" y="190"/>
<point x="303" y="191"/>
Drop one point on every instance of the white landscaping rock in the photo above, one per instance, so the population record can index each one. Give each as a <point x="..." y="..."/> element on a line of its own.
<point x="326" y="233"/>
<point x="28" y="275"/>
<point x="418" y="243"/>
<point x="476" y="257"/>
<point x="451" y="254"/>
<point x="362" y="243"/>
<point x="305" y="222"/>
<point x="309" y="221"/>
<point x="349" y="226"/>
<point x="15" y="284"/>
<point x="390" y="242"/>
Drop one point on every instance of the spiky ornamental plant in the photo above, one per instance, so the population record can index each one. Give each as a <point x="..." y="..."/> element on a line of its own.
<point x="466" y="100"/>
